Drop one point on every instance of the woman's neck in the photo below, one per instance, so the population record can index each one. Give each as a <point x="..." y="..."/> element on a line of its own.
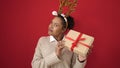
<point x="59" y="37"/>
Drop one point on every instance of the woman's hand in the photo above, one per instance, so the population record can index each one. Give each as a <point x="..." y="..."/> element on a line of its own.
<point x="81" y="58"/>
<point x="59" y="48"/>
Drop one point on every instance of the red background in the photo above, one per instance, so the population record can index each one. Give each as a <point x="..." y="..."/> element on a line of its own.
<point x="22" y="22"/>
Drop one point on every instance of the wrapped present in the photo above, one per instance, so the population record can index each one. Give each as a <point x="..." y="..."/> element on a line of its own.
<point x="78" y="42"/>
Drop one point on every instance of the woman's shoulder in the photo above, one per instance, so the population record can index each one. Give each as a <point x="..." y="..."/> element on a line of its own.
<point x="44" y="38"/>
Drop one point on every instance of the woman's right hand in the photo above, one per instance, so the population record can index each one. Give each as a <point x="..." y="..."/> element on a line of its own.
<point x="59" y="48"/>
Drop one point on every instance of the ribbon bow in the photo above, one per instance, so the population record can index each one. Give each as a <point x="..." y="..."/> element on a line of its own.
<point x="74" y="44"/>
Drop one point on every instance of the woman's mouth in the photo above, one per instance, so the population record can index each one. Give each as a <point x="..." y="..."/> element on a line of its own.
<point x="50" y="30"/>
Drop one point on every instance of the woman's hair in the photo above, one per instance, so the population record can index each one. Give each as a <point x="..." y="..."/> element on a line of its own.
<point x="70" y="22"/>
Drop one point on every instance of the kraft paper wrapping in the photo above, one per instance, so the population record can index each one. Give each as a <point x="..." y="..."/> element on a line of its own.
<point x="82" y="46"/>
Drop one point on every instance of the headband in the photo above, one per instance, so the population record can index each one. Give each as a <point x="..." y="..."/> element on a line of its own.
<point x="54" y="13"/>
<point x="70" y="4"/>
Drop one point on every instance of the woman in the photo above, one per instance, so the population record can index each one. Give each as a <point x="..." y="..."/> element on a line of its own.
<point x="50" y="51"/>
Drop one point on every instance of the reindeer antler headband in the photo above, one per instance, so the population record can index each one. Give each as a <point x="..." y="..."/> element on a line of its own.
<point x="70" y="4"/>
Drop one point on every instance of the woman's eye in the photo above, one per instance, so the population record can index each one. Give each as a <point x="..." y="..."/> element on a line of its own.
<point x="56" y="25"/>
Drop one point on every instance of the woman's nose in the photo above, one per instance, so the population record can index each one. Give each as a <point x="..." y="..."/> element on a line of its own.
<point x="51" y="26"/>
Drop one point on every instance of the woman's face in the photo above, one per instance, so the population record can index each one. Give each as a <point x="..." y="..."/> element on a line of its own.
<point x="55" y="27"/>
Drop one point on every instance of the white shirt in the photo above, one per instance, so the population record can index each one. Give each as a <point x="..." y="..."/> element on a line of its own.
<point x="45" y="56"/>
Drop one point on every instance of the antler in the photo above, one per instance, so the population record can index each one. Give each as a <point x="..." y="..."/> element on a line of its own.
<point x="71" y="6"/>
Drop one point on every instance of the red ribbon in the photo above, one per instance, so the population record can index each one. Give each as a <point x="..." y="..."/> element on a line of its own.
<point x="74" y="44"/>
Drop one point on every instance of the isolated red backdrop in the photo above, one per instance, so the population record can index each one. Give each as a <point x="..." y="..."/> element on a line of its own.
<point x="22" y="22"/>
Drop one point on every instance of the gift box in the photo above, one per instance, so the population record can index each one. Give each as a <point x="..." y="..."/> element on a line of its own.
<point x="78" y="42"/>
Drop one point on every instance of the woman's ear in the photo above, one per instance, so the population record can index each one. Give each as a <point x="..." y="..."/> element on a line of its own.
<point x="64" y="29"/>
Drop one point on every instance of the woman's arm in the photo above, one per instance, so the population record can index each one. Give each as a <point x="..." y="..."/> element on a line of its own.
<point x="43" y="62"/>
<point x="76" y="63"/>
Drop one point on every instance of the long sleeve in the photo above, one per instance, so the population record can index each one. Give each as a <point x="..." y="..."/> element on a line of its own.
<point x="76" y="63"/>
<point x="43" y="62"/>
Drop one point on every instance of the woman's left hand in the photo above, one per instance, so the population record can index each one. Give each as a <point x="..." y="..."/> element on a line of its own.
<point x="81" y="58"/>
